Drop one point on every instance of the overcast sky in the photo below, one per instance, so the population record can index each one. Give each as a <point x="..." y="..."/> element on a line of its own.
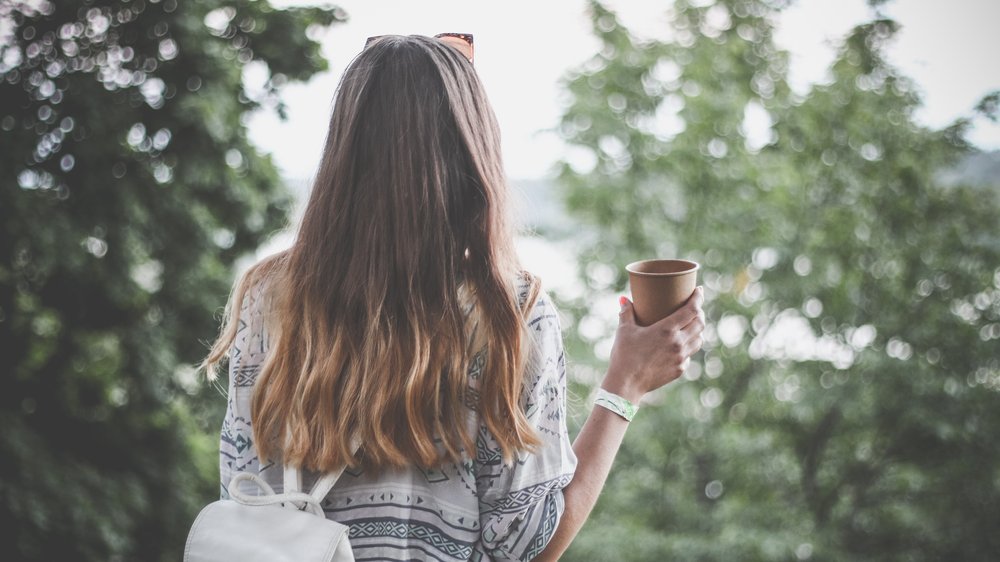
<point x="524" y="48"/>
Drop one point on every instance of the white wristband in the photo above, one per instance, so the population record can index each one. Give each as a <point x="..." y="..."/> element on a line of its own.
<point x="616" y="404"/>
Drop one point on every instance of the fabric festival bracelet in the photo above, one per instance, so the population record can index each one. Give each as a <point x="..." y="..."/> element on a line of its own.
<point x="616" y="404"/>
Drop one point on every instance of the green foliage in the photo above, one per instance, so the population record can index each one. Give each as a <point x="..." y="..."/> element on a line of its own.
<point x="847" y="399"/>
<point x="129" y="189"/>
<point x="989" y="106"/>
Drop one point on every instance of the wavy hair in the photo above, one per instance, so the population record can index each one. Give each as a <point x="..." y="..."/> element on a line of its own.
<point x="403" y="268"/>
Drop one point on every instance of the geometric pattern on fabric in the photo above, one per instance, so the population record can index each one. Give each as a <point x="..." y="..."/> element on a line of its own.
<point x="514" y="502"/>
<point x="402" y="529"/>
<point x="550" y="520"/>
<point x="246" y="376"/>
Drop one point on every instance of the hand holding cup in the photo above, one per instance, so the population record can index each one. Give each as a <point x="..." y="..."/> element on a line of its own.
<point x="644" y="358"/>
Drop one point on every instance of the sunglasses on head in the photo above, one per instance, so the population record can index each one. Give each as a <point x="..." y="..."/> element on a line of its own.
<point x="460" y="41"/>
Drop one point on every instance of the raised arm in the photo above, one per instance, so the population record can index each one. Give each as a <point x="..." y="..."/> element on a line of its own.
<point x="642" y="359"/>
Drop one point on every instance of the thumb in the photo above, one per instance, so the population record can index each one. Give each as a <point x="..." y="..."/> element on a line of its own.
<point x="627" y="314"/>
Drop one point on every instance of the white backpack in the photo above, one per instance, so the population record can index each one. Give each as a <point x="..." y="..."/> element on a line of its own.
<point x="290" y="526"/>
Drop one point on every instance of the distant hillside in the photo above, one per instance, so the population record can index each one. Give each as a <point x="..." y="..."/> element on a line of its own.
<point x="537" y="205"/>
<point x="981" y="169"/>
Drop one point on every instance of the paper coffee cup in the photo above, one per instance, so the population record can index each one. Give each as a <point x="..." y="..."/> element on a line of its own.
<point x="660" y="287"/>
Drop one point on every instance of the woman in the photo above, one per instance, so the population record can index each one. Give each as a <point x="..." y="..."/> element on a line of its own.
<point x="401" y="317"/>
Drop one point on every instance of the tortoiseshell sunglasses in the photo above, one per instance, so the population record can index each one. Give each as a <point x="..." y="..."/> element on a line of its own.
<point x="460" y="41"/>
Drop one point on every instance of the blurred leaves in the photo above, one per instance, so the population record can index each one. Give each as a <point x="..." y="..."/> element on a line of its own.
<point x="129" y="190"/>
<point x="845" y="403"/>
<point x="989" y="106"/>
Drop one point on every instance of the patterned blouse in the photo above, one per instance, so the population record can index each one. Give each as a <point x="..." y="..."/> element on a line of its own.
<point x="478" y="509"/>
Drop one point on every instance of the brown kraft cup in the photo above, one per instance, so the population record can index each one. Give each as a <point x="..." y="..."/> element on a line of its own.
<point x="660" y="287"/>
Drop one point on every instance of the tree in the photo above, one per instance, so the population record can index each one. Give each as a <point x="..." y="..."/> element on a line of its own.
<point x="129" y="189"/>
<point x="845" y="404"/>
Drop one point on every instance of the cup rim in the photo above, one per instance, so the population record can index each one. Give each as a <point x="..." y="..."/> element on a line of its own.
<point x="695" y="266"/>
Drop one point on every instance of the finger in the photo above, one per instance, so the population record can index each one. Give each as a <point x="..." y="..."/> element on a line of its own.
<point x="697" y="324"/>
<point x="678" y="370"/>
<point x="695" y="329"/>
<point x="687" y="312"/>
<point x="627" y="313"/>
<point x="693" y="345"/>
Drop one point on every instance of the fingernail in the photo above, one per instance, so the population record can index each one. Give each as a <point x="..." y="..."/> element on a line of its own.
<point x="621" y="302"/>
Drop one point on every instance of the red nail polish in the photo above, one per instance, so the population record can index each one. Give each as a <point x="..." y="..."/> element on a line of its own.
<point x="622" y="300"/>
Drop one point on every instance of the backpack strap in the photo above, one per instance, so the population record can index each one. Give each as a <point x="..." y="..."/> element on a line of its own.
<point x="288" y="499"/>
<point x="293" y="481"/>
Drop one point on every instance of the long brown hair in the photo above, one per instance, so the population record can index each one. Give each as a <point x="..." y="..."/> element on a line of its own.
<point x="402" y="270"/>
